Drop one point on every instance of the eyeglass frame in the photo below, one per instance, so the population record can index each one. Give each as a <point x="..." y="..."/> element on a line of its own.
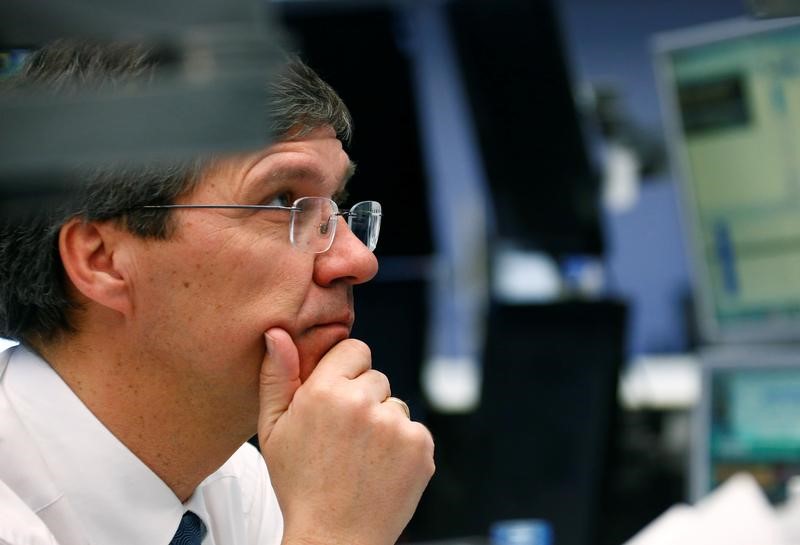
<point x="294" y="208"/>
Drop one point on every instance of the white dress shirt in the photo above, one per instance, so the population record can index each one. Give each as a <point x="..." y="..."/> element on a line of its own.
<point x="66" y="479"/>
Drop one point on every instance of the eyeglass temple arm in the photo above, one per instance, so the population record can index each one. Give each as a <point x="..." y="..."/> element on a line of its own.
<point x="236" y="206"/>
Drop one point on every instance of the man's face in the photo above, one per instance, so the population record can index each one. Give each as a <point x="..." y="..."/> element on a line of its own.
<point x="204" y="298"/>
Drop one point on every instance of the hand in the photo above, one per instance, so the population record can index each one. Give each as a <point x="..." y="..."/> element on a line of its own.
<point x="348" y="467"/>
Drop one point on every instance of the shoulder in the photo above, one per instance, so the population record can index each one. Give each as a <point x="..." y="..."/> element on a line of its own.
<point x="18" y="524"/>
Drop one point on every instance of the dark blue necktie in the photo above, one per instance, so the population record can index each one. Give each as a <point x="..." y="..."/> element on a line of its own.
<point x="191" y="530"/>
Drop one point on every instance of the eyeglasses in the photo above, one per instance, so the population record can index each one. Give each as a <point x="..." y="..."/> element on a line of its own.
<point x="314" y="220"/>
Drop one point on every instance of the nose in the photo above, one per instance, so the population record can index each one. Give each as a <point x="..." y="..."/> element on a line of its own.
<point x="348" y="260"/>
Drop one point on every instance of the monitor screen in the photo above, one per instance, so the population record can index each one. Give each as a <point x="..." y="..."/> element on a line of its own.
<point x="749" y="420"/>
<point x="731" y="98"/>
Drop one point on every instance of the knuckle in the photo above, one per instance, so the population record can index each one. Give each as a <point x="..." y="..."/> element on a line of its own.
<point x="351" y="406"/>
<point x="419" y="437"/>
<point x="358" y="401"/>
<point x="420" y="442"/>
<point x="317" y="394"/>
<point x="359" y="347"/>
<point x="381" y="376"/>
<point x="381" y="379"/>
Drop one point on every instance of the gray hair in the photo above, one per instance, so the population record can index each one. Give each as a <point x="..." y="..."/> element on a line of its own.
<point x="34" y="302"/>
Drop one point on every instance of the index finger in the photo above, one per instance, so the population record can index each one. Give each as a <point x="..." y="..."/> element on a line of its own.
<point x="347" y="359"/>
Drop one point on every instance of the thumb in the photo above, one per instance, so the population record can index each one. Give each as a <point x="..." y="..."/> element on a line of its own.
<point x="279" y="379"/>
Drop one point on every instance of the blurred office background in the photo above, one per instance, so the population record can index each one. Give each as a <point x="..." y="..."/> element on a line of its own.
<point x="534" y="303"/>
<point x="535" y="300"/>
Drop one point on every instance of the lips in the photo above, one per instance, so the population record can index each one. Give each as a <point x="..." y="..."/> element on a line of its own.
<point x="329" y="330"/>
<point x="333" y="332"/>
<point x="344" y="320"/>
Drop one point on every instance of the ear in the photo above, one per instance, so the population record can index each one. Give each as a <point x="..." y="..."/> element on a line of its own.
<point x="91" y="253"/>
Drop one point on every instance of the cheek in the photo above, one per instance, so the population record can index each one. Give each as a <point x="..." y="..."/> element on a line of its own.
<point x="266" y="294"/>
<point x="220" y="298"/>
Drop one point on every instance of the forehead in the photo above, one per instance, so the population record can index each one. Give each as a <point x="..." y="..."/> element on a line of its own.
<point x="315" y="158"/>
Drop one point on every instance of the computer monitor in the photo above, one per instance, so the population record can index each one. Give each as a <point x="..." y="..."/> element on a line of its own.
<point x="731" y="100"/>
<point x="748" y="419"/>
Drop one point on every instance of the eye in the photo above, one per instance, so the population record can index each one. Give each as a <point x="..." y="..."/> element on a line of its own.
<point x="281" y="199"/>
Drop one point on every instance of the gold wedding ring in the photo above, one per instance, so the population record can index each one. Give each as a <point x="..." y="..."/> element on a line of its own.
<point x="402" y="403"/>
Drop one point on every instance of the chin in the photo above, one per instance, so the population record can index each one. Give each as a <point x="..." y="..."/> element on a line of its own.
<point x="316" y="343"/>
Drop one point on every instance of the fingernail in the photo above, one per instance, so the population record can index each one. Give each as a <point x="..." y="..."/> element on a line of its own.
<point x="270" y="342"/>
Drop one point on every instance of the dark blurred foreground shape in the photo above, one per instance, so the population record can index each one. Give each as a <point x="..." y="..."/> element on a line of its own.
<point x="214" y="58"/>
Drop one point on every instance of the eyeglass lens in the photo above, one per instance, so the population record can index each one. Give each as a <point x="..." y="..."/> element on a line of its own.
<point x="364" y="221"/>
<point x="314" y="223"/>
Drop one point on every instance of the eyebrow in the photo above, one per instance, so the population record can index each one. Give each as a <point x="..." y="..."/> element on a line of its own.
<point x="304" y="172"/>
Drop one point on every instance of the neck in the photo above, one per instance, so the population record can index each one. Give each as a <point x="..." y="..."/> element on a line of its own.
<point x="153" y="407"/>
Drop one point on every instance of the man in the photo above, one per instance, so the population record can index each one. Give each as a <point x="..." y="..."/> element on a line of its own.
<point x="174" y="312"/>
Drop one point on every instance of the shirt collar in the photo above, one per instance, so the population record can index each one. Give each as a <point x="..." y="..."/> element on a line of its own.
<point x="117" y="497"/>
